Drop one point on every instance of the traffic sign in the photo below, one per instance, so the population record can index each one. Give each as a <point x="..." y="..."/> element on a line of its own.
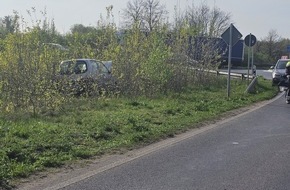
<point x="236" y="35"/>
<point x="231" y="36"/>
<point x="250" y="40"/>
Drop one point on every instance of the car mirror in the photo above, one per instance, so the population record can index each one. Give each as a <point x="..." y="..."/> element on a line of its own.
<point x="272" y="67"/>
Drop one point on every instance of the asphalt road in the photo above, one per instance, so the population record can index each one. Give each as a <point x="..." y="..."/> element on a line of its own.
<point x="267" y="74"/>
<point x="247" y="152"/>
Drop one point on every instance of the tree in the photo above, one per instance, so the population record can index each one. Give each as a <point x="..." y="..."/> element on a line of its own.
<point x="8" y="24"/>
<point x="206" y="21"/>
<point x="133" y="13"/>
<point x="154" y="14"/>
<point x="271" y="42"/>
<point x="80" y="28"/>
<point x="145" y="14"/>
<point x="218" y="22"/>
<point x="270" y="48"/>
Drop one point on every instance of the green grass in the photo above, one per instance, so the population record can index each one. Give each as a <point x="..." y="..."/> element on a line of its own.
<point x="87" y="128"/>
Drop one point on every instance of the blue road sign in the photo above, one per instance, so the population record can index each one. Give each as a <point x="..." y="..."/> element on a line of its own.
<point x="250" y="40"/>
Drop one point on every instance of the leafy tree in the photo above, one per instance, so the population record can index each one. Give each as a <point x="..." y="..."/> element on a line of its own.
<point x="80" y="28"/>
<point x="270" y="48"/>
<point x="8" y="24"/>
<point x="271" y="42"/>
<point x="27" y="68"/>
<point x="27" y="73"/>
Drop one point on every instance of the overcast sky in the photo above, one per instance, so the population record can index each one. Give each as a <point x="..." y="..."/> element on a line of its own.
<point x="249" y="16"/>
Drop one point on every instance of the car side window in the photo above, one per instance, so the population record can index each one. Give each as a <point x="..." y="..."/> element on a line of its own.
<point x="95" y="66"/>
<point x="80" y="67"/>
<point x="66" y="68"/>
<point x="101" y="69"/>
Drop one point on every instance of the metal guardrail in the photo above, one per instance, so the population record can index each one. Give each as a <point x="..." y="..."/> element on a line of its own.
<point x="251" y="86"/>
<point x="236" y="75"/>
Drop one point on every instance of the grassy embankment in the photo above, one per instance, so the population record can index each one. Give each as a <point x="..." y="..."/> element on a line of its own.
<point x="87" y="128"/>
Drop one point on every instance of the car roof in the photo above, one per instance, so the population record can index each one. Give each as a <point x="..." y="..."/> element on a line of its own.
<point x="80" y="59"/>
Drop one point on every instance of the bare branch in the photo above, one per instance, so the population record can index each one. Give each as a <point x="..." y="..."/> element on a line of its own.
<point x="148" y="14"/>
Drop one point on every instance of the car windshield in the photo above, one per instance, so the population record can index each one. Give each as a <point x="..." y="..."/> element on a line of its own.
<point x="72" y="67"/>
<point x="281" y="64"/>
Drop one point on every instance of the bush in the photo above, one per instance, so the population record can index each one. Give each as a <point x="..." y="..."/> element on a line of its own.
<point x="145" y="63"/>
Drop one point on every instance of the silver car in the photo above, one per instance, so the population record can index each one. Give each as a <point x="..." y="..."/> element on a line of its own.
<point x="279" y="71"/>
<point x="83" y="75"/>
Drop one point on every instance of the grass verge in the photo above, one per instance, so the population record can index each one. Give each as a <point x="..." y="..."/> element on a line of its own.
<point x="87" y="128"/>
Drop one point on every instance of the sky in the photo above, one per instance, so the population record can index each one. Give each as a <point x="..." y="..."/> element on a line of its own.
<point x="257" y="17"/>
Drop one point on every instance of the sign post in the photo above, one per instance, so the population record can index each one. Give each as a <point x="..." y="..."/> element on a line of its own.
<point x="231" y="36"/>
<point x="230" y="62"/>
<point x="250" y="41"/>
